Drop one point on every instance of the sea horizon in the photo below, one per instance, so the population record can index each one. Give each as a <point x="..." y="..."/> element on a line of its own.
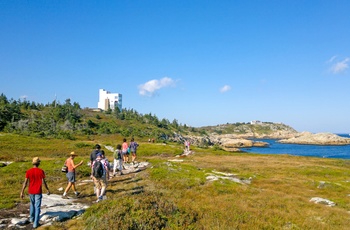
<point x="321" y="151"/>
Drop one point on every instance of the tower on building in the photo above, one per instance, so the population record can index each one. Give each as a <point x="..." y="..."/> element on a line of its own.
<point x="108" y="100"/>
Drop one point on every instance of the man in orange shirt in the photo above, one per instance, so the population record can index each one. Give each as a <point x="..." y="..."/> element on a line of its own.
<point x="71" y="174"/>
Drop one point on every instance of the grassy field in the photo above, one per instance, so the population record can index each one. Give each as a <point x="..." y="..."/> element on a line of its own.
<point x="177" y="195"/>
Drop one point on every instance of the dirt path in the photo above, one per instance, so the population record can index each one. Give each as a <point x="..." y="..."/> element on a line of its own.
<point x="54" y="208"/>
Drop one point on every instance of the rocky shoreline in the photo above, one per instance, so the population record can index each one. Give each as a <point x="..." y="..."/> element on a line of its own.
<point x="307" y="138"/>
<point x="237" y="142"/>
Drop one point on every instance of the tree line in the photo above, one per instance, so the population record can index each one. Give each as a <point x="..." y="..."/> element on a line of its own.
<point x="66" y="120"/>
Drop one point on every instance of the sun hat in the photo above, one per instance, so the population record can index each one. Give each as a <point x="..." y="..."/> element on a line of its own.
<point x="36" y="160"/>
<point x="73" y="154"/>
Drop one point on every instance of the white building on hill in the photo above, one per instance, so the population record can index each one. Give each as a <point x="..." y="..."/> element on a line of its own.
<point x="108" y="100"/>
<point x="256" y="122"/>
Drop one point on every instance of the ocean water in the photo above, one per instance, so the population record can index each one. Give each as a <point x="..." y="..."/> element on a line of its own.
<point x="328" y="151"/>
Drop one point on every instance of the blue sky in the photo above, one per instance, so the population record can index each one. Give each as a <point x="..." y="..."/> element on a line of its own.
<point x="200" y="62"/>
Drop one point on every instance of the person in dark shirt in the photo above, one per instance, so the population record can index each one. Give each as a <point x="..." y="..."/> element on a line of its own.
<point x="94" y="153"/>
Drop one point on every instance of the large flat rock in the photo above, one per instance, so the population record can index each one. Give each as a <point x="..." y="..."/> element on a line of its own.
<point x="307" y="138"/>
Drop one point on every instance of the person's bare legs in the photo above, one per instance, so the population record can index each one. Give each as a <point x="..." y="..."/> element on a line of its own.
<point x="68" y="187"/>
<point x="98" y="191"/>
<point x="73" y="187"/>
<point x="103" y="191"/>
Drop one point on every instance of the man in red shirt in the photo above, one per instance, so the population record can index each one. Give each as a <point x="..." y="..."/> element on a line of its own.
<point x="36" y="177"/>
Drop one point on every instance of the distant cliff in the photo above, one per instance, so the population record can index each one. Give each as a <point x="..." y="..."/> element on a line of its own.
<point x="233" y="137"/>
<point x="268" y="130"/>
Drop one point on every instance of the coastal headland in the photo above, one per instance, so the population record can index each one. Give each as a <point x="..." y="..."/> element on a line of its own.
<point x="234" y="137"/>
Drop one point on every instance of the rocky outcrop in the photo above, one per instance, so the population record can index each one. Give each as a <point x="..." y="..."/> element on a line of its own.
<point x="5" y="163"/>
<point x="226" y="133"/>
<point x="228" y="142"/>
<point x="319" y="200"/>
<point x="232" y="137"/>
<point x="232" y="143"/>
<point x="243" y="134"/>
<point x="307" y="138"/>
<point x="53" y="209"/>
<point x="194" y="140"/>
<point x="262" y="130"/>
<point x="260" y="144"/>
<point x="215" y="175"/>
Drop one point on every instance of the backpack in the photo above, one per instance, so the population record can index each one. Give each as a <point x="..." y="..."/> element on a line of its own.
<point x="97" y="170"/>
<point x="133" y="146"/>
<point x="117" y="154"/>
<point x="107" y="163"/>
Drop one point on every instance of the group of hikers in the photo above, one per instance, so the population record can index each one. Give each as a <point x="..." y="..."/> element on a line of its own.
<point x="100" y="174"/>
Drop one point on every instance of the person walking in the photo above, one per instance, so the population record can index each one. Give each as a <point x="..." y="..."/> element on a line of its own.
<point x="133" y="147"/>
<point x="35" y="177"/>
<point x="105" y="161"/>
<point x="94" y="153"/>
<point x="106" y="175"/>
<point x="118" y="160"/>
<point x="93" y="158"/>
<point x="187" y="145"/>
<point x="125" y="151"/>
<point x="71" y="174"/>
<point x="100" y="175"/>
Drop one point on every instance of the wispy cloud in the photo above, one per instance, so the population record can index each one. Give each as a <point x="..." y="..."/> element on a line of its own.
<point x="150" y="87"/>
<point x="338" y="66"/>
<point x="332" y="59"/>
<point x="225" y="88"/>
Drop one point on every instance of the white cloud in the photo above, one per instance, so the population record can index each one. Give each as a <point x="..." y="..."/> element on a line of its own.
<point x="340" y="66"/>
<point x="225" y="88"/>
<point x="332" y="59"/>
<point x="150" y="87"/>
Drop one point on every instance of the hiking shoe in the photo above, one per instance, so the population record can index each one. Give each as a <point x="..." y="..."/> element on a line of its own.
<point x="77" y="194"/>
<point x="100" y="198"/>
<point x="65" y="197"/>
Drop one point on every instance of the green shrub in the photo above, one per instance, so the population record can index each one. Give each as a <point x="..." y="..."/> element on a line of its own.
<point x="141" y="211"/>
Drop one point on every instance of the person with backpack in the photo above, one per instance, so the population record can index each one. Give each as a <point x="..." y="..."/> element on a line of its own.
<point x="71" y="175"/>
<point x="125" y="151"/>
<point x="94" y="153"/>
<point x="118" y="160"/>
<point x="105" y="161"/>
<point x="133" y="147"/>
<point x="100" y="175"/>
